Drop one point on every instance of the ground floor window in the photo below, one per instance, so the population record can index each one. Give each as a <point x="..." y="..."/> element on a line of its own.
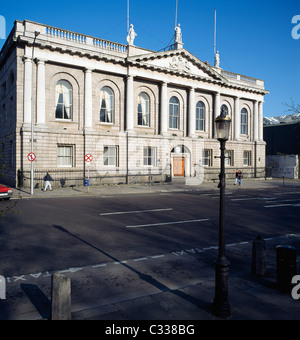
<point x="229" y="158"/>
<point x="150" y="156"/>
<point x="65" y="156"/>
<point x="207" y="157"/>
<point x="111" y="156"/>
<point x="247" y="158"/>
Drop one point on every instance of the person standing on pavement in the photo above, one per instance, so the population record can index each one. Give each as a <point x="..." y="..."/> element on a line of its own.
<point x="47" y="179"/>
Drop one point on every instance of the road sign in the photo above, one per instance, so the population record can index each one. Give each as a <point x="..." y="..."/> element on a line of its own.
<point x="31" y="157"/>
<point x="89" y="158"/>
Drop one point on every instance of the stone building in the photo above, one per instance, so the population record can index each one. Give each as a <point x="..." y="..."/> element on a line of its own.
<point x="142" y="115"/>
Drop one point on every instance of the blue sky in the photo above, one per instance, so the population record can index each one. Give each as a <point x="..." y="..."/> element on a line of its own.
<point x="254" y="37"/>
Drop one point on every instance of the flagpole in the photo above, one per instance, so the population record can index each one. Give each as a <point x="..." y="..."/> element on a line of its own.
<point x="215" y="34"/>
<point x="127" y="16"/>
<point x="176" y="13"/>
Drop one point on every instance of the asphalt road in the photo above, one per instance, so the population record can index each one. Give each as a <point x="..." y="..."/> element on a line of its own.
<point x="57" y="233"/>
<point x="118" y="247"/>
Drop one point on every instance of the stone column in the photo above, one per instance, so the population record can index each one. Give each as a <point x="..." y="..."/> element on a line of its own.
<point x="255" y="121"/>
<point x="41" y="103"/>
<point x="88" y="100"/>
<point x="164" y="109"/>
<point x="129" y="105"/>
<point x="192" y="113"/>
<point x="237" y="118"/>
<point x="260" y="121"/>
<point x="27" y="90"/>
<point x="216" y="112"/>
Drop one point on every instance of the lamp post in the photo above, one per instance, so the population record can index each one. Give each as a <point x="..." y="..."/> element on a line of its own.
<point x="36" y="33"/>
<point x="221" y="307"/>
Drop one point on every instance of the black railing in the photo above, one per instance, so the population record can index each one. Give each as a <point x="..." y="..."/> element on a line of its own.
<point x="76" y="177"/>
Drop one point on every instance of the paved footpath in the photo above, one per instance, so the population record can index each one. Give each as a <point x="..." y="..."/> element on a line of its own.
<point x="136" y="289"/>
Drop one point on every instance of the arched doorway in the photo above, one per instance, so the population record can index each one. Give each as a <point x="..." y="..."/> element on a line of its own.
<point x="180" y="160"/>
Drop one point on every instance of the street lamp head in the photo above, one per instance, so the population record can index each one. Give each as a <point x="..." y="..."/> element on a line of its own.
<point x="223" y="127"/>
<point x="36" y="33"/>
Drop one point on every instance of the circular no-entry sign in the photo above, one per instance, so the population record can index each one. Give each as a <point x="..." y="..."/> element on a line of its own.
<point x="31" y="157"/>
<point x="88" y="158"/>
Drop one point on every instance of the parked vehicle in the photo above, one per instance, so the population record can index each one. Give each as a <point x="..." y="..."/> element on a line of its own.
<point x="5" y="192"/>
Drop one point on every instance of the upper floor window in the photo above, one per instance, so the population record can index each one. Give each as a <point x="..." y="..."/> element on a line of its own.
<point x="107" y="105"/>
<point x="174" y="113"/>
<point x="244" y="122"/>
<point x="64" y="98"/>
<point x="143" y="110"/>
<point x="200" y="116"/>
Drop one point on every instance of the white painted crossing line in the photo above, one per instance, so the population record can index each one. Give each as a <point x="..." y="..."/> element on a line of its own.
<point x="281" y="205"/>
<point x="135" y="212"/>
<point x="166" y="223"/>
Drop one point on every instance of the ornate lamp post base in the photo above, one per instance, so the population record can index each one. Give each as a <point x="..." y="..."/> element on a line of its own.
<point x="221" y="307"/>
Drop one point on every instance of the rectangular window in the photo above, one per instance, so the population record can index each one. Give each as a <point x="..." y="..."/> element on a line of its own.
<point x="110" y="156"/>
<point x="207" y="157"/>
<point x="65" y="156"/>
<point x="150" y="156"/>
<point x="229" y="158"/>
<point x="247" y="158"/>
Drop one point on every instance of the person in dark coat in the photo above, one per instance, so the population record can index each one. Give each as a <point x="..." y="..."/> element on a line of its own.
<point x="47" y="179"/>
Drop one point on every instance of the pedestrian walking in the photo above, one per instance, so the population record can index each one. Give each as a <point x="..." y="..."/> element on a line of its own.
<point x="47" y="179"/>
<point x="236" y="176"/>
<point x="240" y="178"/>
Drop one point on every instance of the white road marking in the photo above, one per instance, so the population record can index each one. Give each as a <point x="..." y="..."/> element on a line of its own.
<point x="40" y="275"/>
<point x="140" y="259"/>
<point x="134" y="212"/>
<point x="99" y="265"/>
<point x="278" y="205"/>
<point x="166" y="223"/>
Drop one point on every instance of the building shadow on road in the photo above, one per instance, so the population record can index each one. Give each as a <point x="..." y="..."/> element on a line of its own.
<point x="147" y="278"/>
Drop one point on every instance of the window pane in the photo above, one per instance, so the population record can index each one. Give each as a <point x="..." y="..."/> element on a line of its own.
<point x="174" y="113"/>
<point x="106" y="105"/>
<point x="200" y="116"/>
<point x="143" y="109"/>
<point x="65" y="156"/>
<point x="64" y="97"/>
<point x="149" y="156"/>
<point x="110" y="155"/>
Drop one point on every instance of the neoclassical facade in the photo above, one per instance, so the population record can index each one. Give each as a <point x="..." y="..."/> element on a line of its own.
<point x="142" y="115"/>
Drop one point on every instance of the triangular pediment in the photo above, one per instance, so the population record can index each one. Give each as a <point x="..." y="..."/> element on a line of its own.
<point x="177" y="61"/>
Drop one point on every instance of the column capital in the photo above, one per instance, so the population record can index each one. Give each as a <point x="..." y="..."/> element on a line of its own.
<point x="27" y="58"/>
<point x="40" y="61"/>
<point x="88" y="70"/>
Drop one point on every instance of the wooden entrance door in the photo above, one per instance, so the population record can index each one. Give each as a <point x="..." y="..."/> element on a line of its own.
<point x="178" y="166"/>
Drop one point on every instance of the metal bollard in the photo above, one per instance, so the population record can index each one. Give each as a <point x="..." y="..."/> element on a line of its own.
<point x="259" y="258"/>
<point x="286" y="267"/>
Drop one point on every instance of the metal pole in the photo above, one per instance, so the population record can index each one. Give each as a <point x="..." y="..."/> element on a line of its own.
<point x="36" y="33"/>
<point x="221" y="307"/>
<point x="215" y="34"/>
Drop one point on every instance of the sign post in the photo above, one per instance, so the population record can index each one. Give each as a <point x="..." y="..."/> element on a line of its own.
<point x="88" y="158"/>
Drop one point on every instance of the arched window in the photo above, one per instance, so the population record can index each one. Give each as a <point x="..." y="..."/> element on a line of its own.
<point x="143" y="110"/>
<point x="174" y="113"/>
<point x="107" y="104"/>
<point x="244" y="122"/>
<point x="64" y="100"/>
<point x="224" y="111"/>
<point x="200" y="116"/>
